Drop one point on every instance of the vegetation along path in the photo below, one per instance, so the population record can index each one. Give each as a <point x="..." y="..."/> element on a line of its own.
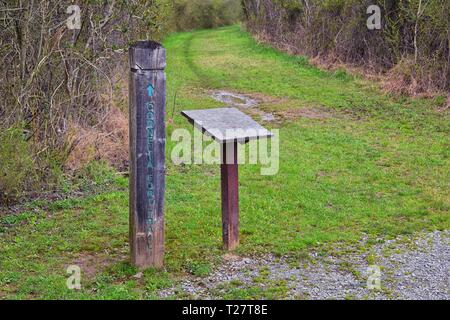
<point x="357" y="168"/>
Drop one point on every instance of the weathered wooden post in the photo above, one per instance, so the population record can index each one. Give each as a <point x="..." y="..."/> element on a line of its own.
<point x="230" y="195"/>
<point x="147" y="91"/>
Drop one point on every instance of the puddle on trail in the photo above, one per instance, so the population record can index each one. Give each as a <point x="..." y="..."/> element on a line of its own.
<point x="234" y="99"/>
<point x="250" y="104"/>
<point x="242" y="102"/>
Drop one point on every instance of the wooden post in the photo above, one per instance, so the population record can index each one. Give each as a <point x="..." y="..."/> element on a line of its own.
<point x="147" y="92"/>
<point x="230" y="196"/>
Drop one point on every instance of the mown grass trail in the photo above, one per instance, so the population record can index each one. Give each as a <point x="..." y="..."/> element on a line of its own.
<point x="374" y="166"/>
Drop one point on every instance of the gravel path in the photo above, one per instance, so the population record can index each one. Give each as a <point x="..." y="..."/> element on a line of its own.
<point x="410" y="268"/>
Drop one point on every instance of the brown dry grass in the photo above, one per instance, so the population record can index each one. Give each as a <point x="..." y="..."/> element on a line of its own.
<point x="92" y="264"/>
<point x="107" y="141"/>
<point x="309" y="113"/>
<point x="407" y="78"/>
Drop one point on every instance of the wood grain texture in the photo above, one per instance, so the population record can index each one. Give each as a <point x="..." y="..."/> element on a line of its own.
<point x="226" y="124"/>
<point x="147" y="91"/>
<point x="230" y="196"/>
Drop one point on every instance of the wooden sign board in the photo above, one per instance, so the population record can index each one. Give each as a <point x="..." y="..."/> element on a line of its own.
<point x="227" y="124"/>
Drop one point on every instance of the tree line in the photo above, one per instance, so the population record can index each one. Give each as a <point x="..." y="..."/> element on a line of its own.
<point x="412" y="43"/>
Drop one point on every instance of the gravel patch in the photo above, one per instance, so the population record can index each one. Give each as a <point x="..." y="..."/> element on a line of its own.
<point x="411" y="268"/>
<point x="418" y="270"/>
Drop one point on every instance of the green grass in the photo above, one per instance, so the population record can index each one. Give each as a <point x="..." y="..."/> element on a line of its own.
<point x="378" y="166"/>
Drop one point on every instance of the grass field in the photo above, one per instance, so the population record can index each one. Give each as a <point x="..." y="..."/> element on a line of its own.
<point x="374" y="165"/>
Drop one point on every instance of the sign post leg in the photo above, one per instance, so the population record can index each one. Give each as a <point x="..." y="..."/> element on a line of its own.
<point x="230" y="196"/>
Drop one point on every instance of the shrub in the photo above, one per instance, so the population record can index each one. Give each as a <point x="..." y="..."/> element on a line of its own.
<point x="16" y="165"/>
<point x="53" y="77"/>
<point x="414" y="36"/>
